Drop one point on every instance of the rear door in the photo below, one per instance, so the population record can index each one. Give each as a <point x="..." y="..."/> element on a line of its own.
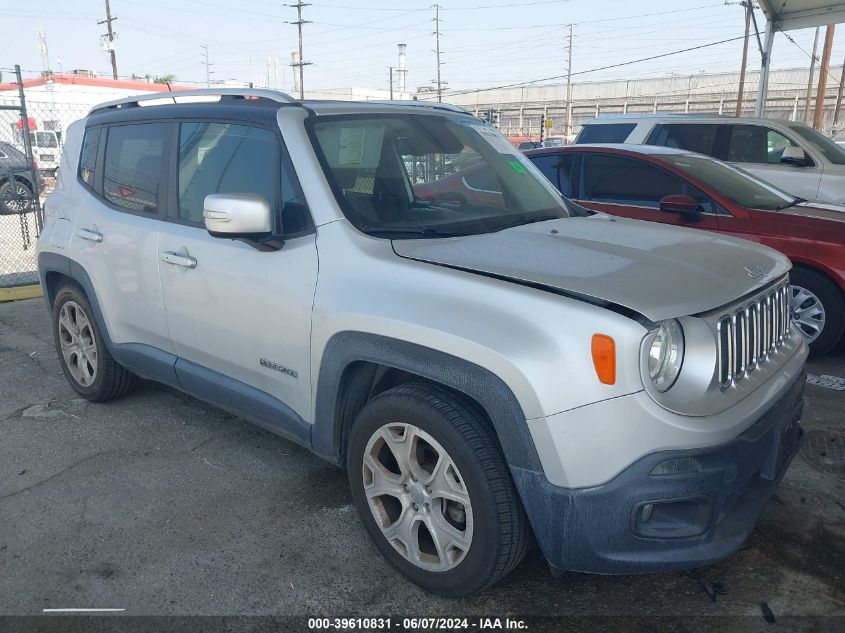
<point x="115" y="239"/>
<point x="240" y="312"/>
<point x="633" y="188"/>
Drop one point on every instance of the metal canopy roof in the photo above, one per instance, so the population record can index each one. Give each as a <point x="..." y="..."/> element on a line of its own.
<point x="785" y="15"/>
<point x="802" y="14"/>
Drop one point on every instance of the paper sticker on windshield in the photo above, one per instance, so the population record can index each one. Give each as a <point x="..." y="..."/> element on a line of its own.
<point x="351" y="151"/>
<point x="499" y="142"/>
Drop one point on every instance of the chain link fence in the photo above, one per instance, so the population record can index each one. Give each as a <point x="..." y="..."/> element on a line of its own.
<point x="31" y="141"/>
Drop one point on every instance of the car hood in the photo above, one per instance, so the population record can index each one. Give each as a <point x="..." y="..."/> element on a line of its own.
<point x="656" y="270"/>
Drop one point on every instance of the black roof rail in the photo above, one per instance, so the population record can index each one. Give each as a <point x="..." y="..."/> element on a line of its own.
<point x="244" y="93"/>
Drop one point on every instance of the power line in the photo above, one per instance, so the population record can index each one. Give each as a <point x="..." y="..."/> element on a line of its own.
<point x="592" y="70"/>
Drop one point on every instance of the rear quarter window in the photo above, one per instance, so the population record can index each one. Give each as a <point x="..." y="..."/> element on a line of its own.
<point x="606" y="133"/>
<point x="88" y="156"/>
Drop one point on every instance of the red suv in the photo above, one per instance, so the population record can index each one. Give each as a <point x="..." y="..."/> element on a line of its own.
<point x="673" y="186"/>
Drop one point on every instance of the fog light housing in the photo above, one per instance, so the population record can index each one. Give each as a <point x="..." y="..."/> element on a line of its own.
<point x="672" y="518"/>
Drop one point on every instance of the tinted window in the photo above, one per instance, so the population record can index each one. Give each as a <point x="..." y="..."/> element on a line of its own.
<point x="756" y="144"/>
<point x="132" y="169"/>
<point x="558" y="169"/>
<point x="224" y="158"/>
<point x="88" y="156"/>
<point x="634" y="182"/>
<point x="606" y="133"/>
<point x="698" y="138"/>
<point x="43" y="139"/>
<point x="480" y="179"/>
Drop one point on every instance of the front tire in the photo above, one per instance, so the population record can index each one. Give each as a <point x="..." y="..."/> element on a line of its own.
<point x="433" y="490"/>
<point x="86" y="362"/>
<point x="818" y="309"/>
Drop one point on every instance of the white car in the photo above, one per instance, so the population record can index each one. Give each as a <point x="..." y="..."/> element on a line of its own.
<point x="484" y="367"/>
<point x="792" y="156"/>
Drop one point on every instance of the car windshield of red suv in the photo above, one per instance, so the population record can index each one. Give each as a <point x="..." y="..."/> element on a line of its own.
<point x="735" y="184"/>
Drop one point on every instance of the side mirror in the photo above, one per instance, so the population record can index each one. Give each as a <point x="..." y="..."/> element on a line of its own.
<point x="237" y="215"/>
<point x="241" y="216"/>
<point x="679" y="203"/>
<point x="793" y="155"/>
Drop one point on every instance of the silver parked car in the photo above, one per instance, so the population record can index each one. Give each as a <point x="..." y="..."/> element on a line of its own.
<point x="485" y="363"/>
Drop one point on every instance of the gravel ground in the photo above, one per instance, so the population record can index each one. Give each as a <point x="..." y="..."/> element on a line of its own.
<point x="162" y="505"/>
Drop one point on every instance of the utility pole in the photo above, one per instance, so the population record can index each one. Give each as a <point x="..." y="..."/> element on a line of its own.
<point x="823" y="70"/>
<point x="300" y="63"/>
<point x="437" y="50"/>
<point x="391" y="82"/>
<point x="839" y="97"/>
<point x="813" y="60"/>
<point x="569" y="87"/>
<point x="109" y="37"/>
<point x="207" y="63"/>
<point x="748" y="9"/>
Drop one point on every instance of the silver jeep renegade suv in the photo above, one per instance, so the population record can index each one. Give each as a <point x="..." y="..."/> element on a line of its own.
<point x="395" y="287"/>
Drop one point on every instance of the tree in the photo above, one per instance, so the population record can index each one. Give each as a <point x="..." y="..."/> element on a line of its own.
<point x="165" y="79"/>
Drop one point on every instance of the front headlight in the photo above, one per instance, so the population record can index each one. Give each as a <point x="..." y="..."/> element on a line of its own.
<point x="666" y="354"/>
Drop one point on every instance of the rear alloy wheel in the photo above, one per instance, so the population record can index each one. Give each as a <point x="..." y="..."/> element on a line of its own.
<point x="85" y="359"/>
<point x="816" y="307"/>
<point x="433" y="490"/>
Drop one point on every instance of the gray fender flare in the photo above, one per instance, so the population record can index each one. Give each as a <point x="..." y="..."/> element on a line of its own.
<point x="494" y="396"/>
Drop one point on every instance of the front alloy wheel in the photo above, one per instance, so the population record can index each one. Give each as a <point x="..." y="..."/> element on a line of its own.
<point x="433" y="489"/>
<point x="417" y="496"/>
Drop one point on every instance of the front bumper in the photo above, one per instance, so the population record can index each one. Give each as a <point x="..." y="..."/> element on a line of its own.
<point x="671" y="509"/>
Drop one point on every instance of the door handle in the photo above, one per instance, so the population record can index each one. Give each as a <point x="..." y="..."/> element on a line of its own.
<point x="88" y="234"/>
<point x="179" y="260"/>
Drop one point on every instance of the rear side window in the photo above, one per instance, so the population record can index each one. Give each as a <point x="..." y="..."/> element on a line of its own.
<point x="559" y="169"/>
<point x="606" y="133"/>
<point x="88" y="155"/>
<point x="694" y="137"/>
<point x="132" y="167"/>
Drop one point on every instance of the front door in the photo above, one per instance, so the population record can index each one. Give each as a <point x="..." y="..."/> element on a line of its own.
<point x="232" y="309"/>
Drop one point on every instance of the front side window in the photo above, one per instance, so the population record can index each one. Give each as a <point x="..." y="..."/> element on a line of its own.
<point x="627" y="181"/>
<point x="224" y="158"/>
<point x="739" y="186"/>
<point x="756" y="144"/>
<point x="88" y="155"/>
<point x="132" y="167"/>
<point x="429" y="175"/>
<point x="694" y="137"/>
<point x="606" y="133"/>
<point x="830" y="150"/>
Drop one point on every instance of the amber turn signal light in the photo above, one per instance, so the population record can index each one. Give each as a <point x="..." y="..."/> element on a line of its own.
<point x="604" y="358"/>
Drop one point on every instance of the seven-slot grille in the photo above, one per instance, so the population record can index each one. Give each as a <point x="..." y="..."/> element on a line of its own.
<point x="747" y="337"/>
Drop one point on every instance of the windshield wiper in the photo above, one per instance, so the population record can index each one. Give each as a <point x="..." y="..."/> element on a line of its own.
<point x="428" y="231"/>
<point x="526" y="219"/>
<point x="797" y="200"/>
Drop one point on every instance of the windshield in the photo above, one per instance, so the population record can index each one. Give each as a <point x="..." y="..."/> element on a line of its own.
<point x="735" y="184"/>
<point x="831" y="151"/>
<point x="431" y="176"/>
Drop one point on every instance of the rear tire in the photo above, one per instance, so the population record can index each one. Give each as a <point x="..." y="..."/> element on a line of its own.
<point x="818" y="309"/>
<point x="84" y="357"/>
<point x="448" y="517"/>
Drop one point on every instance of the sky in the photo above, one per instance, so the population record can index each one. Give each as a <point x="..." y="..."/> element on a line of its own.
<point x="351" y="43"/>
